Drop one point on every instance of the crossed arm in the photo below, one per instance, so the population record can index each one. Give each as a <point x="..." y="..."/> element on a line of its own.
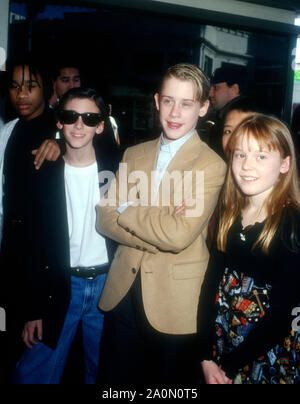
<point x="160" y="227"/>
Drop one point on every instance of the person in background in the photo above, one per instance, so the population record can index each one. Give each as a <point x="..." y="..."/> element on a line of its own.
<point x="67" y="258"/>
<point x="66" y="75"/>
<point x="236" y="113"/>
<point x="251" y="286"/>
<point x="227" y="85"/>
<point x="153" y="285"/>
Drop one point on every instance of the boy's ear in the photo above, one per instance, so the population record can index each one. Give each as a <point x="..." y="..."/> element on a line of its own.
<point x="156" y="97"/>
<point x="100" y="128"/>
<point x="59" y="125"/>
<point x="204" y="108"/>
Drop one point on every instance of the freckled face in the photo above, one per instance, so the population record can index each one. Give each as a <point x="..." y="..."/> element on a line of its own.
<point x="178" y="109"/>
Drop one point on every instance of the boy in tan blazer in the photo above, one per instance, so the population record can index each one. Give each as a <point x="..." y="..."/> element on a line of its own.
<point x="153" y="286"/>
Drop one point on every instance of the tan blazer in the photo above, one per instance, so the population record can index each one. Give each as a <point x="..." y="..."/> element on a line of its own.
<point x="169" y="251"/>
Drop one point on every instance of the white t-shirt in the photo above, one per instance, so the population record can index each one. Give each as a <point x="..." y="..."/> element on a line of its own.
<point x="87" y="246"/>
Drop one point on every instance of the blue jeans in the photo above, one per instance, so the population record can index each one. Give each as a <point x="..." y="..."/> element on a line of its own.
<point x="43" y="365"/>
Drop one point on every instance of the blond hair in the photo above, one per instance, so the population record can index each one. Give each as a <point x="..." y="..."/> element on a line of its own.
<point x="193" y="74"/>
<point x="285" y="195"/>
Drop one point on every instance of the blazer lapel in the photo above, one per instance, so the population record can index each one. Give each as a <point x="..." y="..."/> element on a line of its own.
<point x="142" y="173"/>
<point x="183" y="159"/>
<point x="144" y="166"/>
<point x="172" y="191"/>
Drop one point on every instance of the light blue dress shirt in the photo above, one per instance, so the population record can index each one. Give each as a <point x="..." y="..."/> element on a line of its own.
<point x="165" y="156"/>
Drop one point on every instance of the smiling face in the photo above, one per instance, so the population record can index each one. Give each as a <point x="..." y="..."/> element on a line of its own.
<point x="178" y="109"/>
<point x="78" y="135"/>
<point x="26" y="93"/>
<point x="255" y="168"/>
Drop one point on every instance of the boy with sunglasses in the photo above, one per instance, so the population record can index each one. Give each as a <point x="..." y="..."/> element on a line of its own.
<point x="67" y="258"/>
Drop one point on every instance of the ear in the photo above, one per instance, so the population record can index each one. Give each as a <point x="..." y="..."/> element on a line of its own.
<point x="100" y="128"/>
<point x="235" y="89"/>
<point x="285" y="165"/>
<point x="59" y="125"/>
<point x="204" y="108"/>
<point x="156" y="97"/>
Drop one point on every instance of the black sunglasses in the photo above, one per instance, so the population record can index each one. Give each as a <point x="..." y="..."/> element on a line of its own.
<point x="88" y="118"/>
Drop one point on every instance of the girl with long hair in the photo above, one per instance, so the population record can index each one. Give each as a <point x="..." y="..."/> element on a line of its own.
<point x="252" y="283"/>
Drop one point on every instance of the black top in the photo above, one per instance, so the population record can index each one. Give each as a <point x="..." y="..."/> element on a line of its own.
<point x="279" y="269"/>
<point x="17" y="168"/>
<point x="26" y="136"/>
<point x="48" y="283"/>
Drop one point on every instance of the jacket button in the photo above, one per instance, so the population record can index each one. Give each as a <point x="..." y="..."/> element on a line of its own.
<point x="133" y="270"/>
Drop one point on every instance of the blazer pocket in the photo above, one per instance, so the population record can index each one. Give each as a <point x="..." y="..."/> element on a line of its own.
<point x="189" y="270"/>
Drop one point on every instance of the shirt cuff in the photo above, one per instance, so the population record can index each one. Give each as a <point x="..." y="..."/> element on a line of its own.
<point x="123" y="207"/>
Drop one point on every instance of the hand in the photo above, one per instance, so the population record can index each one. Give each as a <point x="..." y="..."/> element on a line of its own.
<point x="49" y="150"/>
<point x="32" y="328"/>
<point x="179" y="210"/>
<point x="213" y="374"/>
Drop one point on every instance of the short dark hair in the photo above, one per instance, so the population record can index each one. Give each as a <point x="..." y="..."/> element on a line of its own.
<point x="35" y="67"/>
<point x="231" y="75"/>
<point x="82" y="93"/>
<point x="244" y="104"/>
<point x="63" y="65"/>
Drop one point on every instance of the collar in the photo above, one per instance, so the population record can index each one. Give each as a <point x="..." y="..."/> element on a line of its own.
<point x="173" y="147"/>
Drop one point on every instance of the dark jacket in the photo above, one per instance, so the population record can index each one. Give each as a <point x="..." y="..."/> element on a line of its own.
<point x="17" y="168"/>
<point x="48" y="258"/>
